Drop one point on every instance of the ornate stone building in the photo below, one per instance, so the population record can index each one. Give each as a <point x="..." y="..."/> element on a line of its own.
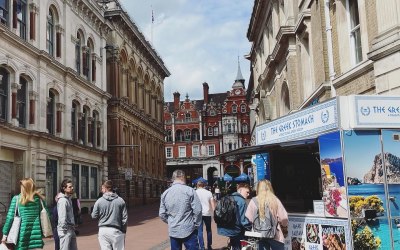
<point x="198" y="130"/>
<point x="53" y="99"/>
<point x="307" y="51"/>
<point x="135" y="80"/>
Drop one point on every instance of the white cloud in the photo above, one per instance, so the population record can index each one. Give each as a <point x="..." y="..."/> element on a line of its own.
<point x="198" y="40"/>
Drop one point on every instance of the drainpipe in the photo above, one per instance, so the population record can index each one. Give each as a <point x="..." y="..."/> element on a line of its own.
<point x="329" y="45"/>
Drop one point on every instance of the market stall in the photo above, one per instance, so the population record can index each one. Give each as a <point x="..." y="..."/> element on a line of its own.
<point x="336" y="168"/>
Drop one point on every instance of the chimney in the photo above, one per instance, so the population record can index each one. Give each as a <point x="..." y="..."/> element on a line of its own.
<point x="205" y="92"/>
<point x="176" y="100"/>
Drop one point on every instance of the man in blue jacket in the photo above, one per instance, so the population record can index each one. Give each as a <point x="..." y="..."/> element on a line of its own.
<point x="242" y="224"/>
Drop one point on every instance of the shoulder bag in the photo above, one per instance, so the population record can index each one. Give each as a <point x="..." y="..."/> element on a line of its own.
<point x="13" y="234"/>
<point x="45" y="222"/>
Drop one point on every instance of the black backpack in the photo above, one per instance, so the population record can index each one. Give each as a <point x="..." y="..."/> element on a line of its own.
<point x="267" y="226"/>
<point x="225" y="212"/>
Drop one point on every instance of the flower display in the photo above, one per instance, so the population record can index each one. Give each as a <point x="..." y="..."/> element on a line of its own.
<point x="332" y="198"/>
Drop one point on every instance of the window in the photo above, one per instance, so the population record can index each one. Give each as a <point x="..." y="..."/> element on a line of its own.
<point x="229" y="127"/>
<point x="243" y="108"/>
<point x="179" y="135"/>
<point x="211" y="150"/>
<point x="230" y="146"/>
<point x="168" y="152"/>
<point x="4" y="75"/>
<point x="187" y="135"/>
<point x="4" y="11"/>
<point x="210" y="131"/>
<point x="215" y="131"/>
<point x="50" y="33"/>
<point x="21" y="18"/>
<point x="87" y="59"/>
<point x="85" y="180"/>
<point x="51" y="107"/>
<point x="195" y="135"/>
<point x="212" y="112"/>
<point x="355" y="32"/>
<point x="169" y="136"/>
<point x="188" y="117"/>
<point x="83" y="126"/>
<point x="74" y="119"/>
<point x="234" y="108"/>
<point x="245" y="128"/>
<point x="195" y="151"/>
<point x="78" y="52"/>
<point x="21" y="103"/>
<point x="96" y="129"/>
<point x="182" y="151"/>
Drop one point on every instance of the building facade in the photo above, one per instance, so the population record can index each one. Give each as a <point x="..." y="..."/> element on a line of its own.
<point x="135" y="80"/>
<point x="197" y="131"/>
<point x="306" y="51"/>
<point x="53" y="99"/>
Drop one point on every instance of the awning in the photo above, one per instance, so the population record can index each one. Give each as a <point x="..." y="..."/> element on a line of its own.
<point x="247" y="152"/>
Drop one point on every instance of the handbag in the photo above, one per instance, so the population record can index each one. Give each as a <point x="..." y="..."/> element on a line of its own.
<point x="5" y="247"/>
<point x="12" y="236"/>
<point x="45" y="222"/>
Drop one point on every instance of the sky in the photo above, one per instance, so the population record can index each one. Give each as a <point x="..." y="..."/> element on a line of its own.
<point x="198" y="40"/>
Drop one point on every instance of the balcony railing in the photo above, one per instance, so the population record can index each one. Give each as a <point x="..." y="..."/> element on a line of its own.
<point x="191" y="120"/>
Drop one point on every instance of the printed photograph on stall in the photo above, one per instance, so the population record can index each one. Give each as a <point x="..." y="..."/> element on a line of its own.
<point x="366" y="190"/>
<point x="333" y="237"/>
<point x="333" y="183"/>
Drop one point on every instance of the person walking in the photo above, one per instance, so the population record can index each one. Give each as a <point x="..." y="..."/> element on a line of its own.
<point x="266" y="197"/>
<point x="66" y="222"/>
<point x="217" y="192"/>
<point x="180" y="208"/>
<point x="111" y="211"/>
<point x="29" y="206"/>
<point x="236" y="233"/>
<point x="208" y="206"/>
<point x="54" y="223"/>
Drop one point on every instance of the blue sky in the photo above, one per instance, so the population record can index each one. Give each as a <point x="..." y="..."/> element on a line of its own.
<point x="198" y="40"/>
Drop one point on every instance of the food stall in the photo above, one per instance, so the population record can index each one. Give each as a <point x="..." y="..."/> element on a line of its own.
<point x="336" y="168"/>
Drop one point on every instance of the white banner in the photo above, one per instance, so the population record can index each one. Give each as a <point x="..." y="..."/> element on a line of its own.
<point x="302" y="124"/>
<point x="376" y="112"/>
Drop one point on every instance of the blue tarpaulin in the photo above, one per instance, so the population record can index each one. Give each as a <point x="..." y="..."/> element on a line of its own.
<point x="199" y="179"/>
<point x="227" y="177"/>
<point x="242" y="177"/>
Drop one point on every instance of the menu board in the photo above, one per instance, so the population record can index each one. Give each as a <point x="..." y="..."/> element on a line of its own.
<point x="307" y="233"/>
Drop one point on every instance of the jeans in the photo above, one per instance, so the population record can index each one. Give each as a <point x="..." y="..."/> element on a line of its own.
<point x="235" y="241"/>
<point x="191" y="242"/>
<point x="268" y="244"/>
<point x="207" y="221"/>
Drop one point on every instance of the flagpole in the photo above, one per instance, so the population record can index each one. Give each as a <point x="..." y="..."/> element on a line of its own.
<point x="152" y="23"/>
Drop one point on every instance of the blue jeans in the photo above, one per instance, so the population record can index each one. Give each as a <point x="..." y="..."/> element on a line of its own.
<point x="268" y="244"/>
<point x="207" y="221"/>
<point x="191" y="242"/>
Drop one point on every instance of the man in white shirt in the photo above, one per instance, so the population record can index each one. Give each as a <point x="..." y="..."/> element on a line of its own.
<point x="208" y="206"/>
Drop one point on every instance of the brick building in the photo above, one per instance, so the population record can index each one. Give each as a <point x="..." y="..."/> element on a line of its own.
<point x="197" y="130"/>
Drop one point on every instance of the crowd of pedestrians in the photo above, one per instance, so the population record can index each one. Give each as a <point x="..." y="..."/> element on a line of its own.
<point x="186" y="210"/>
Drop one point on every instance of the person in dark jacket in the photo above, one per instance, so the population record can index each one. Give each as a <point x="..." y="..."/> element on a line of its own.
<point x="242" y="224"/>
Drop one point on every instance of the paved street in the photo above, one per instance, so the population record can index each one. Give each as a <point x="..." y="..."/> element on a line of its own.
<point x="145" y="231"/>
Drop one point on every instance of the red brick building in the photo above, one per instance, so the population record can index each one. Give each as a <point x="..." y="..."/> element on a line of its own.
<point x="197" y="130"/>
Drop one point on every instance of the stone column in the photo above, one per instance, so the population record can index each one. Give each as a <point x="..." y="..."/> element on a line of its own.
<point x="32" y="21"/>
<point x="32" y="106"/>
<point x="60" y="109"/>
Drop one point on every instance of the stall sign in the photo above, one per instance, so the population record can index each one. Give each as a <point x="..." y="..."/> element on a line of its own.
<point x="306" y="123"/>
<point x="262" y="167"/>
<point x="317" y="233"/>
<point x="376" y="112"/>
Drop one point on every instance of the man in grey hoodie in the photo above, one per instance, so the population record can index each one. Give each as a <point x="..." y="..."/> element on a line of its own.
<point x="66" y="223"/>
<point x="111" y="211"/>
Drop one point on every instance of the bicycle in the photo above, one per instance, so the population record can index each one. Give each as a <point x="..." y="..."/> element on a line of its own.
<point x="252" y="241"/>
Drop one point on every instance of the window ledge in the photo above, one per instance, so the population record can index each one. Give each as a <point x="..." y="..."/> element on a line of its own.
<point x="356" y="71"/>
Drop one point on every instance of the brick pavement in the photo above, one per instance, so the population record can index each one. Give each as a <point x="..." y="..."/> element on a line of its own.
<point x="145" y="232"/>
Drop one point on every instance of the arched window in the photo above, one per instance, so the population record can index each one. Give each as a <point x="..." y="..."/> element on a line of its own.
<point x="74" y="120"/>
<point x="234" y="108"/>
<point x="4" y="78"/>
<point x="87" y="55"/>
<point x="285" y="101"/>
<point x="187" y="135"/>
<point x="84" y="125"/>
<point x="78" y="44"/>
<point x="50" y="32"/>
<point x="215" y="131"/>
<point x="243" y="108"/>
<point x="195" y="135"/>
<point x="93" y="132"/>
<point x="230" y="146"/>
<point x="179" y="135"/>
<point x="212" y="112"/>
<point x="210" y="131"/>
<point x="229" y="128"/>
<point x="51" y="113"/>
<point x="21" y="102"/>
<point x="245" y="128"/>
<point x="169" y="136"/>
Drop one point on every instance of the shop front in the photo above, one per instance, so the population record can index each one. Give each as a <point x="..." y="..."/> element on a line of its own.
<point x="336" y="168"/>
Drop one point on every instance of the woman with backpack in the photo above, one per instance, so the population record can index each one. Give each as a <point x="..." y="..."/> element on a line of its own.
<point x="269" y="217"/>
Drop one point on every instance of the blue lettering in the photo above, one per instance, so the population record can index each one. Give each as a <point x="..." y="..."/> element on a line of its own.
<point x="394" y="110"/>
<point x="378" y="109"/>
<point x="274" y="130"/>
<point x="312" y="247"/>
